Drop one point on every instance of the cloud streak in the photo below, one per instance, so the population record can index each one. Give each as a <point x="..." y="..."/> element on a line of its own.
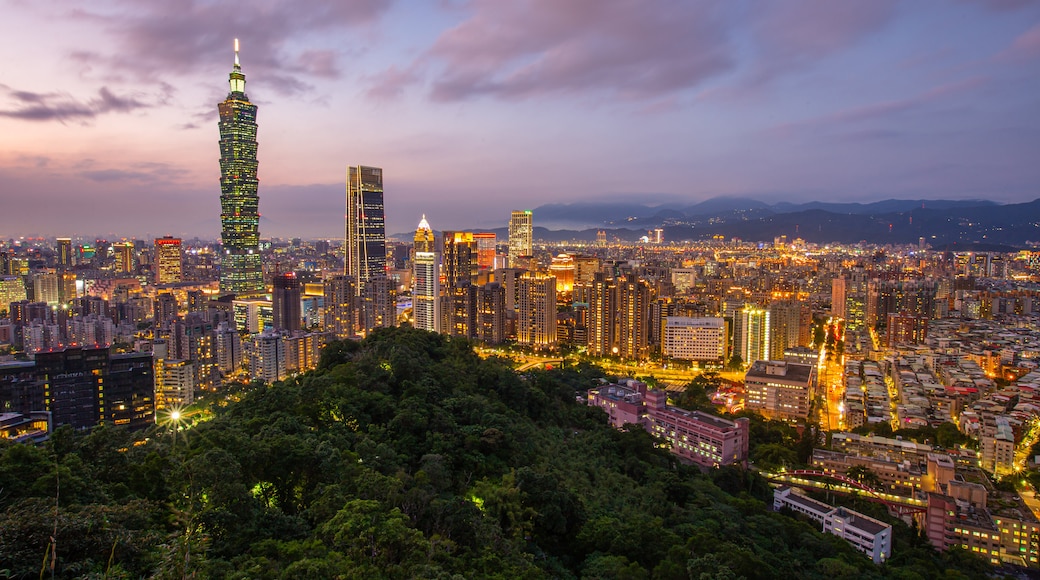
<point x="62" y="107"/>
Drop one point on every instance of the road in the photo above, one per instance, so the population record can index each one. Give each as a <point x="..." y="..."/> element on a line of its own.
<point x="831" y="372"/>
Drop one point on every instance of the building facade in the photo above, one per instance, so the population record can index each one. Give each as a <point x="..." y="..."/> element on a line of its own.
<point x="169" y="261"/>
<point x="286" y="302"/>
<point x="780" y="389"/>
<point x="695" y="339"/>
<point x="426" y="285"/>
<point x="241" y="273"/>
<point x="366" y="225"/>
<point x="701" y="438"/>
<point x="521" y="236"/>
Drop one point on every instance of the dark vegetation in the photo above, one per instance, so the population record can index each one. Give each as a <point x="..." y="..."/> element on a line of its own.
<point x="407" y="456"/>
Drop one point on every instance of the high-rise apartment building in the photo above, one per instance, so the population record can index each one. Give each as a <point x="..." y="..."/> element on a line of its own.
<point x="491" y="313"/>
<point x="12" y="289"/>
<point x="755" y="334"/>
<point x="838" y="297"/>
<point x="174" y="383"/>
<point x="426" y="302"/>
<point x="365" y="228"/>
<point x="536" y="312"/>
<point x="486" y="248"/>
<point x="267" y="357"/>
<point x="633" y="322"/>
<point x="790" y="325"/>
<point x="124" y="252"/>
<point x="459" y="258"/>
<point x="45" y="284"/>
<point x="241" y="273"/>
<point x="169" y="261"/>
<point x="462" y="319"/>
<point x="64" y="248"/>
<point x="340" y="303"/>
<point x="285" y="302"/>
<point x="378" y="304"/>
<point x="697" y="339"/>
<point x="521" y="236"/>
<point x="601" y="295"/>
<point x="887" y="296"/>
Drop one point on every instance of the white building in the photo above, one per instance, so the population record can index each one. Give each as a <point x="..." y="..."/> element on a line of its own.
<point x="426" y="284"/>
<point x="521" y="236"/>
<point x="228" y="346"/>
<point x="870" y="536"/>
<point x="174" y="383"/>
<point x="701" y="339"/>
<point x="267" y="357"/>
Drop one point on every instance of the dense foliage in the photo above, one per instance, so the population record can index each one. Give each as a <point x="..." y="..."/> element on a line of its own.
<point x="406" y="456"/>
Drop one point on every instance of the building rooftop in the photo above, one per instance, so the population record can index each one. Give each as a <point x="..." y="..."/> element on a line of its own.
<point x="787" y="371"/>
<point x="809" y="503"/>
<point x="712" y="420"/>
<point x="867" y="524"/>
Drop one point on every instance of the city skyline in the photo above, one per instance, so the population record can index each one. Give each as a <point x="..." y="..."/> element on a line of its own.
<point x="800" y="101"/>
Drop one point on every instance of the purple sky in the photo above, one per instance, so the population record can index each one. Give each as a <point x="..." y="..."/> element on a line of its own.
<point x="473" y="108"/>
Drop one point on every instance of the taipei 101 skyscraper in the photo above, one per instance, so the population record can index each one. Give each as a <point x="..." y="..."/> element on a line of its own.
<point x="240" y="272"/>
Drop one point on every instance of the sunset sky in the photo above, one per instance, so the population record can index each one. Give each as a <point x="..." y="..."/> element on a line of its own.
<point x="108" y="117"/>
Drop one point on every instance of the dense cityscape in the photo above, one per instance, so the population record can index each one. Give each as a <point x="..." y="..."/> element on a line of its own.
<point x="882" y="390"/>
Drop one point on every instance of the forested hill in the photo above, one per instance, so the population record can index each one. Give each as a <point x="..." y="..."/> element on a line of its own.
<point x="407" y="456"/>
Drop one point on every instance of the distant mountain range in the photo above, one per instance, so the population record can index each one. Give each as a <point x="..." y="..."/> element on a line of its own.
<point x="896" y="221"/>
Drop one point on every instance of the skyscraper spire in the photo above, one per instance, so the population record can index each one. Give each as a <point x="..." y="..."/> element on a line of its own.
<point x="236" y="78"/>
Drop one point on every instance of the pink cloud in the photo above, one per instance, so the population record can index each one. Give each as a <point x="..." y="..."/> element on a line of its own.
<point x="391" y="82"/>
<point x="180" y="35"/>
<point x="1025" y="46"/>
<point x="525" y="48"/>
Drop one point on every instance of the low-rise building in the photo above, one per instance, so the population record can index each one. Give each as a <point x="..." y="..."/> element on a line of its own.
<point x="699" y="437"/>
<point x="866" y="534"/>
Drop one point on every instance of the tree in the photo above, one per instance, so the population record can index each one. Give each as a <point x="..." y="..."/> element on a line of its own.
<point x="774" y="456"/>
<point x="949" y="436"/>
<point x="865" y="476"/>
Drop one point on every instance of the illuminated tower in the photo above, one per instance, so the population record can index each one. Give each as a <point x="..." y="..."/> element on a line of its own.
<point x="521" y="236"/>
<point x="240" y="272"/>
<point x="366" y="230"/>
<point x="168" y="260"/>
<point x="426" y="284"/>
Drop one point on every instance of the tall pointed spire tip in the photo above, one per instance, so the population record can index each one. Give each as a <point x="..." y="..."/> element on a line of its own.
<point x="236" y="54"/>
